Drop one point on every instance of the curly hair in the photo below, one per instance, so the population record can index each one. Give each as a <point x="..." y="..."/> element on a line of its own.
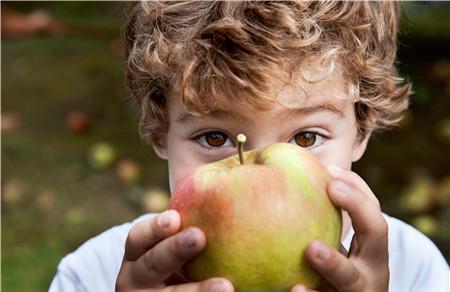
<point x="211" y="50"/>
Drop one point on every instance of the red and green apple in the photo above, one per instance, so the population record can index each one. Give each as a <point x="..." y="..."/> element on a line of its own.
<point x="259" y="210"/>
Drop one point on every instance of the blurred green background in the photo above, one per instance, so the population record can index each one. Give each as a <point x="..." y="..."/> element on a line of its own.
<point x="73" y="164"/>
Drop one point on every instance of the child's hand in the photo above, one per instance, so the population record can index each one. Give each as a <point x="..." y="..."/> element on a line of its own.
<point x="155" y="249"/>
<point x="366" y="267"/>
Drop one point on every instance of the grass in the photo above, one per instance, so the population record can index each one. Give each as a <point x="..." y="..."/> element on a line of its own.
<point x="43" y="80"/>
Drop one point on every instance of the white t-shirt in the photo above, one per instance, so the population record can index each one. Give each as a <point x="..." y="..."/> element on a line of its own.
<point x="414" y="261"/>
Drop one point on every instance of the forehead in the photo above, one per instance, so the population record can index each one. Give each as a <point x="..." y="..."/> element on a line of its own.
<point x="310" y="90"/>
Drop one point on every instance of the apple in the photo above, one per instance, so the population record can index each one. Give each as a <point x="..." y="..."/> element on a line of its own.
<point x="10" y="121"/>
<point x="259" y="211"/>
<point x="101" y="155"/>
<point x="46" y="200"/>
<point x="155" y="200"/>
<point x="12" y="193"/>
<point x="128" y="171"/>
<point x="78" y="122"/>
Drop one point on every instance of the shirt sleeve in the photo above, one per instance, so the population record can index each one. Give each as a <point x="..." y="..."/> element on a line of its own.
<point x="94" y="265"/>
<point x="415" y="263"/>
<point x="66" y="282"/>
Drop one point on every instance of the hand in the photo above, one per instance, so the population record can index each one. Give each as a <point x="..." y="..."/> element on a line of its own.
<point x="155" y="249"/>
<point x="366" y="267"/>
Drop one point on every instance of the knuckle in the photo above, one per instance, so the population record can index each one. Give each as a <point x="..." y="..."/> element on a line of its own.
<point x="353" y="278"/>
<point x="151" y="264"/>
<point x="350" y="281"/>
<point x="343" y="274"/>
<point x="361" y="200"/>
<point x="359" y="183"/>
<point x="378" y="226"/>
<point x="357" y="202"/>
<point x="383" y="228"/>
<point x="352" y="178"/>
<point x="355" y="282"/>
<point x="334" y="263"/>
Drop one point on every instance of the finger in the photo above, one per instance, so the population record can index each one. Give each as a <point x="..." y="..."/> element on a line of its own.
<point x="147" y="233"/>
<point x="352" y="179"/>
<point x="177" y="278"/>
<point x="210" y="285"/>
<point x="337" y="269"/>
<point x="158" y="263"/>
<point x="324" y="287"/>
<point x="301" y="288"/>
<point x="367" y="219"/>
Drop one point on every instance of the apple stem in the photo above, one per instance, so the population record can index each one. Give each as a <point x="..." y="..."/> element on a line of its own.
<point x="241" y="138"/>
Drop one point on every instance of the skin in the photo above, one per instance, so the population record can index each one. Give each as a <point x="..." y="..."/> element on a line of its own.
<point x="154" y="253"/>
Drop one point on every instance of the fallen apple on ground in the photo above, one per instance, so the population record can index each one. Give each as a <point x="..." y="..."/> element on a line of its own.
<point x="155" y="200"/>
<point x="78" y="122"/>
<point x="101" y="155"/>
<point x="128" y="171"/>
<point x="259" y="210"/>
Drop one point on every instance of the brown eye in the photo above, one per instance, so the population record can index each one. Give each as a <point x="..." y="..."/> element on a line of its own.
<point x="215" y="139"/>
<point x="305" y="139"/>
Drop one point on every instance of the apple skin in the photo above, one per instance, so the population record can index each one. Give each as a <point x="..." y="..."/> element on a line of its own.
<point x="259" y="217"/>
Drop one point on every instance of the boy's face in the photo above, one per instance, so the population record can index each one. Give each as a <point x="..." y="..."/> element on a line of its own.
<point x="322" y="120"/>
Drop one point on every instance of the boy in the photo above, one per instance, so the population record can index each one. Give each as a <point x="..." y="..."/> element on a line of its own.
<point x="317" y="74"/>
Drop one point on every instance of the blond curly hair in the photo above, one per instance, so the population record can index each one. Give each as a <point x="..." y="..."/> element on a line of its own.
<point x="212" y="50"/>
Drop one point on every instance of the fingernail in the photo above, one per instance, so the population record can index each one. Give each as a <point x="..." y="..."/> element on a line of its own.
<point x="217" y="287"/>
<point x="188" y="239"/>
<point x="334" y="170"/>
<point x="323" y="252"/>
<point x="164" y="219"/>
<point x="341" y="187"/>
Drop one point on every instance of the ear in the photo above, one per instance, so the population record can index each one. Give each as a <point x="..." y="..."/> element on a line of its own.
<point x="360" y="146"/>
<point x="160" y="150"/>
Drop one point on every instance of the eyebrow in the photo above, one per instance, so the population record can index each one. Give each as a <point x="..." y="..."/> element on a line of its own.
<point x="306" y="111"/>
<point x="286" y="114"/>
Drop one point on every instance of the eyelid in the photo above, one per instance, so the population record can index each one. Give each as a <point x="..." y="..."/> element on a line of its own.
<point x="322" y="136"/>
<point x="202" y="134"/>
<point x="315" y="129"/>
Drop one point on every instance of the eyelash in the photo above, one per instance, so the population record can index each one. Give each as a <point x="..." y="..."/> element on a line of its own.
<point x="201" y="139"/>
<point x="205" y="145"/>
